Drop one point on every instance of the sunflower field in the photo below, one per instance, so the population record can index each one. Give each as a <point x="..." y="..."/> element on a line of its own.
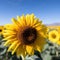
<point x="27" y="38"/>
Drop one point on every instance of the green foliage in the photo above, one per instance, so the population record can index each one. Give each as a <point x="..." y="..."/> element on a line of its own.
<point x="50" y="50"/>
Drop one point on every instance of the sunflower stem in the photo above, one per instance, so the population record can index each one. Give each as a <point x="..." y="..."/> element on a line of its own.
<point x="57" y="51"/>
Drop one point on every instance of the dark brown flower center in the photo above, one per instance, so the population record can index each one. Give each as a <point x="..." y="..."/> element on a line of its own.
<point x="0" y="30"/>
<point x="53" y="35"/>
<point x="29" y="35"/>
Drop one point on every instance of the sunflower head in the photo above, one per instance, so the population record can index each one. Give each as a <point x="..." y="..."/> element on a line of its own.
<point x="53" y="36"/>
<point x="1" y="30"/>
<point x="25" y="35"/>
<point x="58" y="42"/>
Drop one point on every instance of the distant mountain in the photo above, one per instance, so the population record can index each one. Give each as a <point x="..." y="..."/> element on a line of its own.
<point x="53" y="24"/>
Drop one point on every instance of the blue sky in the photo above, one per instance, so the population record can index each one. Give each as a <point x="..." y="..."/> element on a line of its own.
<point x="46" y="10"/>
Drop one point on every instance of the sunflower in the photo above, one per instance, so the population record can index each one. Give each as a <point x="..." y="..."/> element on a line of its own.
<point x="53" y="36"/>
<point x="58" y="42"/>
<point x="1" y="30"/>
<point x="25" y="35"/>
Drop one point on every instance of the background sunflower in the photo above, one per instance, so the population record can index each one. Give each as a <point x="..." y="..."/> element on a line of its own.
<point x="1" y="29"/>
<point x="53" y="36"/>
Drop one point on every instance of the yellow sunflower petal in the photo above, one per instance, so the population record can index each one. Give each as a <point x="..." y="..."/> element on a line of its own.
<point x="7" y="42"/>
<point x="9" y="33"/>
<point x="16" y="23"/>
<point x="10" y="27"/>
<point x="38" y="48"/>
<point x="10" y="41"/>
<point x="32" y="19"/>
<point x="35" y="21"/>
<point x="37" y="25"/>
<point x="13" y="45"/>
<point x="9" y="37"/>
<point x="21" y="51"/>
<point x="15" y="48"/>
<point x="23" y="20"/>
<point x="19" y="20"/>
<point x="28" y="22"/>
<point x="29" y="49"/>
<point x="58" y="42"/>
